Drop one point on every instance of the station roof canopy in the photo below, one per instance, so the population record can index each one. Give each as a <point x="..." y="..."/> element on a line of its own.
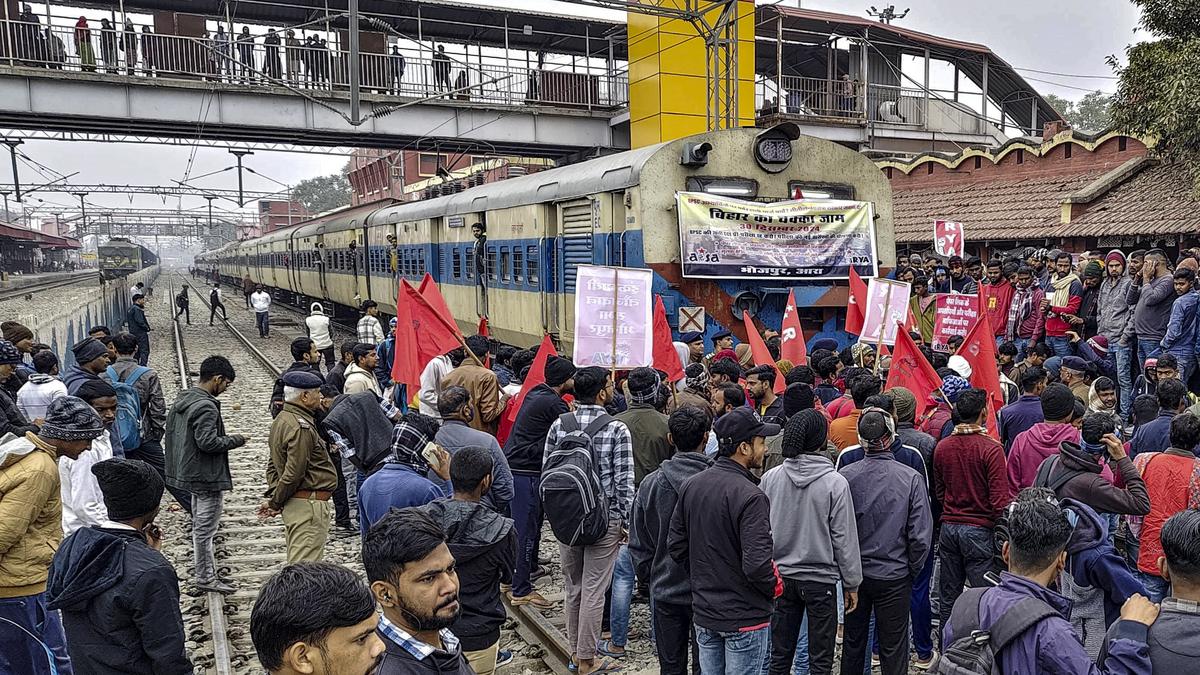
<point x="12" y="233"/>
<point x="1004" y="83"/>
<point x="442" y="19"/>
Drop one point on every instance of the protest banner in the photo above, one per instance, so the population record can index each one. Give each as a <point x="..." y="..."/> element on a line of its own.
<point x="613" y="325"/>
<point x="726" y="238"/>
<point x="954" y="315"/>
<point x="948" y="238"/>
<point x="886" y="309"/>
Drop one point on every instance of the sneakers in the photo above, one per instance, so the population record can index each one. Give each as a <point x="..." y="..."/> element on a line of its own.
<point x="926" y="664"/>
<point x="215" y="586"/>
<point x="345" y="531"/>
<point x="535" y="599"/>
<point x="503" y="657"/>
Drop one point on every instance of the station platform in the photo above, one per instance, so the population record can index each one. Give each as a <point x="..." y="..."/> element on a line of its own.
<point x="11" y="282"/>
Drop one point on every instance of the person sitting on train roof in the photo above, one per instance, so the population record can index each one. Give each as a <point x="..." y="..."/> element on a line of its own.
<point x="481" y="382"/>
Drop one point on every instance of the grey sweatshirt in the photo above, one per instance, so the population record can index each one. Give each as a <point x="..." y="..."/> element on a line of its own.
<point x="812" y="518"/>
<point x="1152" y="308"/>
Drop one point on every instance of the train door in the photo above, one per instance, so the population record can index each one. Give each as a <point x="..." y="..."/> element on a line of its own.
<point x="358" y="260"/>
<point x="293" y="263"/>
<point x="320" y="260"/>
<point x="575" y="226"/>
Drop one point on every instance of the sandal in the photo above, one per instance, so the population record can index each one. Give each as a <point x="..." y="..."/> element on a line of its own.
<point x="606" y="666"/>
<point x="604" y="648"/>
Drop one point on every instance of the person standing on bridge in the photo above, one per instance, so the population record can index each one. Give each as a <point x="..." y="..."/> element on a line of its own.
<point x="245" y="47"/>
<point x="183" y="303"/>
<point x="260" y="300"/>
<point x="300" y="476"/>
<point x="214" y="301"/>
<point x="441" y="70"/>
<point x="108" y="46"/>
<point x="291" y="51"/>
<point x="130" y="45"/>
<point x="83" y="46"/>
<point x="271" y="63"/>
<point x="140" y="328"/>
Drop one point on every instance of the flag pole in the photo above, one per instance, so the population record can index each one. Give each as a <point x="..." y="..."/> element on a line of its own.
<point x="612" y="372"/>
<point x="887" y="305"/>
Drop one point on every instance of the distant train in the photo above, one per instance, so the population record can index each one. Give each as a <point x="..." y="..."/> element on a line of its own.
<point x="614" y="210"/>
<point x="121" y="257"/>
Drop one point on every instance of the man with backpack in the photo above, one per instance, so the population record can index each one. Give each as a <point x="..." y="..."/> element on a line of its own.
<point x="1077" y="471"/>
<point x="721" y="533"/>
<point x="588" y="518"/>
<point x="183" y="304"/>
<point x="214" y="301"/>
<point x="1025" y="622"/>
<point x="141" y="411"/>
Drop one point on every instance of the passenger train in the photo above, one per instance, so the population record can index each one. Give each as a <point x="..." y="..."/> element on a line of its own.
<point x="618" y="209"/>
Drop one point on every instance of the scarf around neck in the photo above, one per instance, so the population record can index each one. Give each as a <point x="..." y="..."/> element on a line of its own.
<point x="1062" y="289"/>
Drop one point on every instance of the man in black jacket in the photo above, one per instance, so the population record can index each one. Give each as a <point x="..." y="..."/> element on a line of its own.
<point x="140" y="328"/>
<point x="337" y="374"/>
<point x="413" y="577"/>
<point x="306" y="357"/>
<point x="670" y="589"/>
<point x="118" y="595"/>
<point x="524" y="449"/>
<point x="484" y="546"/>
<point x="11" y="419"/>
<point x="721" y="529"/>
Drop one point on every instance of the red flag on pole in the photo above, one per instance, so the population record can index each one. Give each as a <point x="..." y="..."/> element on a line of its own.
<point x="536" y="376"/>
<point x="856" y="303"/>
<point x="912" y="371"/>
<point x="760" y="353"/>
<point x="979" y="350"/>
<point x="792" y="346"/>
<point x="666" y="358"/>
<point x="483" y="330"/>
<point x="433" y="296"/>
<point x="416" y="317"/>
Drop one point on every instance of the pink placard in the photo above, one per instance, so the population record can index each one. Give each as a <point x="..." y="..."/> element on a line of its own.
<point x="887" y="306"/>
<point x="608" y="300"/>
<point x="954" y="315"/>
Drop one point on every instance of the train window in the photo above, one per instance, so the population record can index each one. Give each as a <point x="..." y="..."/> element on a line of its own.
<point x="505" y="275"/>
<point x="518" y="264"/>
<point x="421" y="263"/>
<point x="531" y="264"/>
<point x="491" y="263"/>
<point x="470" y="262"/>
<point x="456" y="266"/>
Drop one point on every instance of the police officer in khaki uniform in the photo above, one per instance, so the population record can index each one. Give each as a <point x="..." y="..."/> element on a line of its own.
<point x="300" y="476"/>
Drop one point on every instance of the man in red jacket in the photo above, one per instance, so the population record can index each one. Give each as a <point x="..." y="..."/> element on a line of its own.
<point x="1062" y="300"/>
<point x="971" y="483"/>
<point x="996" y="296"/>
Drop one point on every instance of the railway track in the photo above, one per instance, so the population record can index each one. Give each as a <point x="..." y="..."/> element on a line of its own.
<point x="249" y="550"/>
<point x="10" y="293"/>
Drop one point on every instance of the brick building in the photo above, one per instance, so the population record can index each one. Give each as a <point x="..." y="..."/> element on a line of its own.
<point x="1066" y="190"/>
<point x="274" y="214"/>
<point x="410" y="175"/>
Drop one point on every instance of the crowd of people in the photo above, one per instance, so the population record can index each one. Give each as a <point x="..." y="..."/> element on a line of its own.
<point x="777" y="517"/>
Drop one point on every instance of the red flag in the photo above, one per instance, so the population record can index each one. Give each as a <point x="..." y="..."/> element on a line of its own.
<point x="979" y="349"/>
<point x="792" y="346"/>
<point x="536" y="376"/>
<point x="483" y="330"/>
<point x="438" y="335"/>
<point x="666" y="358"/>
<point x="433" y="296"/>
<point x="912" y="371"/>
<point x="760" y="353"/>
<point x="856" y="303"/>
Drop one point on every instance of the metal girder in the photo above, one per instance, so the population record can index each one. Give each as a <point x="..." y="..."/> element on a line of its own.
<point x="117" y="137"/>
<point x="160" y="190"/>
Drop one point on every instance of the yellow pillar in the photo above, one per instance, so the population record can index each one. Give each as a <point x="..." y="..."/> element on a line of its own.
<point x="668" y="90"/>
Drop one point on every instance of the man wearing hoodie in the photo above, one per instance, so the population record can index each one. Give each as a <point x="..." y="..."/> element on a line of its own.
<point x="1075" y="472"/>
<point x="895" y="533"/>
<point x="91" y="358"/>
<point x="317" y="326"/>
<point x="30" y="531"/>
<point x="11" y="419"/>
<point x="1174" y="646"/>
<point x="1113" y="315"/>
<point x="1035" y="554"/>
<point x="970" y="482"/>
<point x="1032" y="446"/>
<point x="815" y="544"/>
<point x="484" y="546"/>
<point x="41" y="388"/>
<point x="139" y="328"/>
<point x="119" y="596"/>
<point x="670" y="588"/>
<point x="360" y="374"/>
<point x="197" y="456"/>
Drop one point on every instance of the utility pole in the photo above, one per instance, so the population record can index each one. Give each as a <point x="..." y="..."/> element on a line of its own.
<point x="355" y="65"/>
<point x="83" y="215"/>
<point x="887" y="15"/>
<point x="239" y="154"/>
<point x="12" y="144"/>
<point x="6" y="193"/>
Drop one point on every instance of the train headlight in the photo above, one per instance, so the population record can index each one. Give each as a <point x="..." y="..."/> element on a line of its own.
<point x="773" y="147"/>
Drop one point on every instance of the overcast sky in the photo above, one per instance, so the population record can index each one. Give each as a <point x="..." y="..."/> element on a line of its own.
<point x="1073" y="38"/>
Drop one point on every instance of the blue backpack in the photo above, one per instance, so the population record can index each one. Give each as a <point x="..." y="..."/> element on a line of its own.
<point x="129" y="407"/>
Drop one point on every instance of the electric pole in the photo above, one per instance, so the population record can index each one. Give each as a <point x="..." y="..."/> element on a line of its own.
<point x="887" y="15"/>
<point x="240" y="154"/>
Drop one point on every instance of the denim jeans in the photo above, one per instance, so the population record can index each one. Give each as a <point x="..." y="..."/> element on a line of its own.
<point x="1123" y="357"/>
<point x="31" y="636"/>
<point x="1146" y="348"/>
<point x="622" y="597"/>
<point x="921" y="612"/>
<point x="263" y="321"/>
<point x="527" y="518"/>
<point x="1061" y="346"/>
<point x="966" y="553"/>
<point x="1022" y="344"/>
<point x="206" y="516"/>
<point x="1157" y="587"/>
<point x="733" y="652"/>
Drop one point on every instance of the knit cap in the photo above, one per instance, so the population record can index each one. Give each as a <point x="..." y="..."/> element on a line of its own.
<point x="1057" y="401"/>
<point x="905" y="402"/>
<point x="558" y="370"/>
<point x="88" y="349"/>
<point x="15" y="332"/>
<point x="954" y="385"/>
<point x="131" y="487"/>
<point x="1093" y="270"/>
<point x="798" y="396"/>
<point x="9" y="354"/>
<point x="69" y="418"/>
<point x="805" y="432"/>
<point x="1114" y="255"/>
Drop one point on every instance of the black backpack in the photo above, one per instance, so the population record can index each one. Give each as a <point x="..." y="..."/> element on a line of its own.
<point x="572" y="498"/>
<point x="1046" y="468"/>
<point x="975" y="651"/>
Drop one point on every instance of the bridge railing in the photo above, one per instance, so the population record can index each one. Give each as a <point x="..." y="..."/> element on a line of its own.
<point x="270" y="61"/>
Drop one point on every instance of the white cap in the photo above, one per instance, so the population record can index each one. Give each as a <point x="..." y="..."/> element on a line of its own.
<point x="959" y="365"/>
